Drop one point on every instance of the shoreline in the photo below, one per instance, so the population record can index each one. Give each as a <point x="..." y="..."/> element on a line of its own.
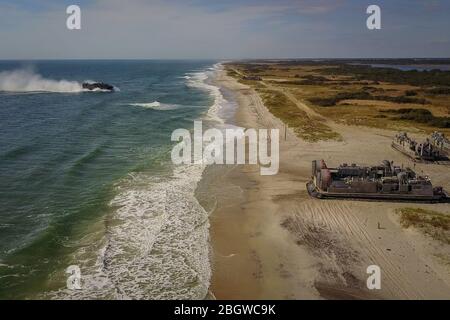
<point x="269" y="240"/>
<point x="239" y="239"/>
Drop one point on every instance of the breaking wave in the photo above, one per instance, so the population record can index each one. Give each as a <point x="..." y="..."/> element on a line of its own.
<point x="156" y="105"/>
<point x="199" y="80"/>
<point x="156" y="242"/>
<point x="156" y="245"/>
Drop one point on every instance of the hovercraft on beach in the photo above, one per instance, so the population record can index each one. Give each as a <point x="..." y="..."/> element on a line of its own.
<point x="384" y="182"/>
<point x="97" y="86"/>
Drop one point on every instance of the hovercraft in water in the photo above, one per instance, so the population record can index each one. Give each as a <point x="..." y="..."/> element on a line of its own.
<point x="97" y="86"/>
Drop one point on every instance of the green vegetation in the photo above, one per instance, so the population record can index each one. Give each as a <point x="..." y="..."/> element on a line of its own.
<point x="308" y="129"/>
<point x="363" y="95"/>
<point x="432" y="223"/>
<point x="391" y="75"/>
<point x="439" y="91"/>
<point x="232" y="73"/>
<point x="308" y="80"/>
<point x="420" y="116"/>
<point x="352" y="94"/>
<point x="299" y="82"/>
<point x="410" y="93"/>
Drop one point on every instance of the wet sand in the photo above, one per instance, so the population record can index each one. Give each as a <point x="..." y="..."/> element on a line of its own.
<point x="270" y="240"/>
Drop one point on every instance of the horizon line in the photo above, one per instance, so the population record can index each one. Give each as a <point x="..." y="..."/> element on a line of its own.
<point x="221" y="59"/>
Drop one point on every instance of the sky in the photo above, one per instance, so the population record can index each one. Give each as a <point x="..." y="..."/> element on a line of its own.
<point x="223" y="29"/>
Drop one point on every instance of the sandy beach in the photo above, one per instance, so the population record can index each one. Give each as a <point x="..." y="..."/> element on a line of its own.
<point x="270" y="240"/>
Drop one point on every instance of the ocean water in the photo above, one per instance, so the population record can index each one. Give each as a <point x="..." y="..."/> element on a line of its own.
<point x="86" y="179"/>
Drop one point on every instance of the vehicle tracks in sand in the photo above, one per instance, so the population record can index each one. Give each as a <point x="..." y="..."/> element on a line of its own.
<point x="350" y="236"/>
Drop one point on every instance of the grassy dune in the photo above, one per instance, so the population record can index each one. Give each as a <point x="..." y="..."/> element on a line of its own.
<point x="354" y="95"/>
<point x="432" y="223"/>
<point x="308" y="129"/>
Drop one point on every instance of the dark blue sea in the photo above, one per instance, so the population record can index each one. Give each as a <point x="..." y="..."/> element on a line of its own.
<point x="86" y="180"/>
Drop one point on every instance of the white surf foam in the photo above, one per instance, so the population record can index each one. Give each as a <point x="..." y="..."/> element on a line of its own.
<point x="199" y="80"/>
<point x="156" y="105"/>
<point x="157" y="239"/>
<point x="156" y="244"/>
